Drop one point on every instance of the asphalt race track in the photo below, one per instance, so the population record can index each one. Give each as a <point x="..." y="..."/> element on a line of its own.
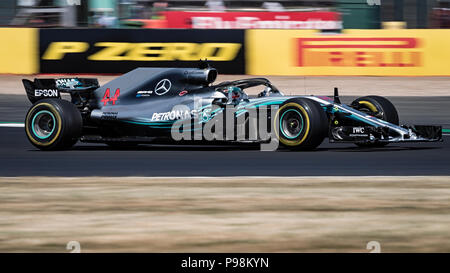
<point x="19" y="158"/>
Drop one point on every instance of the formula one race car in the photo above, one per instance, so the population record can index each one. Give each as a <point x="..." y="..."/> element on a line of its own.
<point x="180" y="105"/>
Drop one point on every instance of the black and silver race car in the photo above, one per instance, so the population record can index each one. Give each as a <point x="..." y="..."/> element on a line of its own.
<point x="183" y="105"/>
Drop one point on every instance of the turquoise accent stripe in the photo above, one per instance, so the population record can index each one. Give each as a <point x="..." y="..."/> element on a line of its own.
<point x="363" y="120"/>
<point x="253" y="105"/>
<point x="159" y="123"/>
<point x="34" y="118"/>
<point x="281" y="124"/>
<point x="143" y="123"/>
<point x="161" y="127"/>
<point x="241" y="109"/>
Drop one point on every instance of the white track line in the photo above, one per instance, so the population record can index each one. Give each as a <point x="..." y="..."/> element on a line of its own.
<point x="13" y="124"/>
<point x="22" y="125"/>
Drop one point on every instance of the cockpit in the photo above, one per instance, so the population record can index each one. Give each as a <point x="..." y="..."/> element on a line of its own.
<point x="234" y="91"/>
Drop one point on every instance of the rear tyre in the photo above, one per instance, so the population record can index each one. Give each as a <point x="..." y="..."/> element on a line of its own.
<point x="379" y="107"/>
<point x="302" y="124"/>
<point x="53" y="124"/>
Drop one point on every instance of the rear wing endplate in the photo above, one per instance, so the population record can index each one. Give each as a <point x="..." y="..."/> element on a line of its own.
<point x="52" y="88"/>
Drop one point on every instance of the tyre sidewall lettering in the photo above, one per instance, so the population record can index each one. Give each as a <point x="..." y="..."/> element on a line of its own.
<point x="58" y="123"/>
<point x="306" y="125"/>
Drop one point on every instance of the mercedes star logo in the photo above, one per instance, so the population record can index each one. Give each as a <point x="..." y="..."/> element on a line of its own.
<point x="163" y="87"/>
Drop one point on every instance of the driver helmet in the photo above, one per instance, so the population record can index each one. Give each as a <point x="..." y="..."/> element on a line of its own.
<point x="234" y="91"/>
<point x="234" y="94"/>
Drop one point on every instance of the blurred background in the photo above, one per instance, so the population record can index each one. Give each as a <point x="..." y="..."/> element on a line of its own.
<point x="361" y="14"/>
<point x="285" y="37"/>
<point x="373" y="41"/>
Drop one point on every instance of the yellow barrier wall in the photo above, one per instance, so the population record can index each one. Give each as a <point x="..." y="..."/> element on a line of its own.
<point x="403" y="52"/>
<point x="19" y="50"/>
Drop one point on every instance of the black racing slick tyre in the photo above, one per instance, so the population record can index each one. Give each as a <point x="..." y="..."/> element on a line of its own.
<point x="379" y="107"/>
<point x="53" y="124"/>
<point x="301" y="124"/>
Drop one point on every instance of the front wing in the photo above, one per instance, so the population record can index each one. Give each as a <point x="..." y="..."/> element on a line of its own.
<point x="374" y="129"/>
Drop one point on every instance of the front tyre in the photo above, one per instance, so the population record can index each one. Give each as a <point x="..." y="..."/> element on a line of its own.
<point x="53" y="124"/>
<point x="302" y="124"/>
<point x="379" y="107"/>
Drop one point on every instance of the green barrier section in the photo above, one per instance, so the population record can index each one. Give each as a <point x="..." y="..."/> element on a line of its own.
<point x="359" y="14"/>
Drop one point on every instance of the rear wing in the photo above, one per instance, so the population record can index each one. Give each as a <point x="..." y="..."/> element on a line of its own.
<point x="52" y="88"/>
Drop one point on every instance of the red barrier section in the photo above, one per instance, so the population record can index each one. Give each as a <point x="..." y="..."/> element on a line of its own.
<point x="251" y="20"/>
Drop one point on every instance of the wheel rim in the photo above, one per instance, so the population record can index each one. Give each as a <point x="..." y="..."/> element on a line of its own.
<point x="368" y="108"/>
<point x="43" y="124"/>
<point x="291" y="124"/>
